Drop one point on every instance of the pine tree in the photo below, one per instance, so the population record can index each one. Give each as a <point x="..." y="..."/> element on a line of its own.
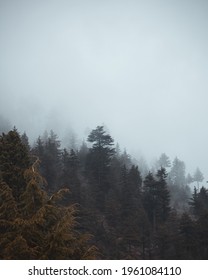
<point x="125" y="159"/>
<point x="177" y="173"/>
<point x="163" y="196"/>
<point x="150" y="198"/>
<point x="82" y="156"/>
<point x="47" y="148"/>
<point x="134" y="226"/>
<point x="100" y="154"/>
<point x="189" y="179"/>
<point x="202" y="235"/>
<point x="69" y="175"/>
<point x="198" y="176"/>
<point x="25" y="141"/>
<point x="187" y="238"/>
<point x="199" y="201"/>
<point x="156" y="198"/>
<point x="98" y="164"/>
<point x="164" y="161"/>
<point x="14" y="159"/>
<point x="40" y="227"/>
<point x="199" y="207"/>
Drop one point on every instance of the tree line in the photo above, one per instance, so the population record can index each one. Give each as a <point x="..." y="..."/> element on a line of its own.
<point x="95" y="202"/>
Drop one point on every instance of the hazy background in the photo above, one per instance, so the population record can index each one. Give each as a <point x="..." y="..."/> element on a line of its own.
<point x="139" y="67"/>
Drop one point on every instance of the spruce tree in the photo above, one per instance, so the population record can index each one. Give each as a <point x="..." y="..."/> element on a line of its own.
<point x="199" y="201"/>
<point x="164" y="161"/>
<point x="177" y="173"/>
<point x="198" y="176"/>
<point x="163" y="196"/>
<point x="47" y="148"/>
<point x="25" y="141"/>
<point x="40" y="227"/>
<point x="14" y="160"/>
<point x="156" y="198"/>
<point x="98" y="164"/>
<point x="150" y="198"/>
<point x="187" y="238"/>
<point x="69" y="175"/>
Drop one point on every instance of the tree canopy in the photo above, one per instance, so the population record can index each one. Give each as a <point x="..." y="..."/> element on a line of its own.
<point x="96" y="202"/>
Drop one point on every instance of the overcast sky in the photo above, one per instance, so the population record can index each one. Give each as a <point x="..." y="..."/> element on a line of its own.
<point x="139" y="67"/>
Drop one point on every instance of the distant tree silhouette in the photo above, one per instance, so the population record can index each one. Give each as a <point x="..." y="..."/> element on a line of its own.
<point x="98" y="163"/>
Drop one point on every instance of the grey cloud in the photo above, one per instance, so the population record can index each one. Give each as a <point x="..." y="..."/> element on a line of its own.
<point x="140" y="67"/>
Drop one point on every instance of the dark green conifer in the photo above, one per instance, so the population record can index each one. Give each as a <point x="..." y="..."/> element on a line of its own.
<point x="98" y="164"/>
<point x="14" y="160"/>
<point x="40" y="227"/>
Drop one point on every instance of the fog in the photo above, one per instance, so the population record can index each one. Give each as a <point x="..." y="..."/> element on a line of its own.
<point x="139" y="67"/>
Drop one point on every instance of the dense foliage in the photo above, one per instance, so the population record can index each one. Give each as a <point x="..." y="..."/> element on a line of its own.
<point x="95" y="202"/>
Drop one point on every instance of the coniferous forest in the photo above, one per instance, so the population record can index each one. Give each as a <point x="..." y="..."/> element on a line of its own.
<point x="95" y="202"/>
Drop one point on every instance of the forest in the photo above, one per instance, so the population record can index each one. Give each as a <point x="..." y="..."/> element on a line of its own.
<point x="95" y="202"/>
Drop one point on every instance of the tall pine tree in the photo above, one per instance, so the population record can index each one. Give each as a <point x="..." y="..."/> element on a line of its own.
<point x="14" y="159"/>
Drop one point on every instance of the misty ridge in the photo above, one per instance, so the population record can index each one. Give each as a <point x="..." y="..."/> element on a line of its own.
<point x="103" y="129"/>
<point x="92" y="201"/>
<point x="69" y="139"/>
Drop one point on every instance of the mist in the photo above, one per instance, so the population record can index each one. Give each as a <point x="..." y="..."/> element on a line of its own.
<point x="139" y="67"/>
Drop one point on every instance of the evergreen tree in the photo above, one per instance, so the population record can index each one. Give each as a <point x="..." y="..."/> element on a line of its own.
<point x="179" y="190"/>
<point x="98" y="164"/>
<point x="156" y="198"/>
<point x="38" y="149"/>
<point x="82" y="156"/>
<point x="125" y="159"/>
<point x="199" y="201"/>
<point x="202" y="235"/>
<point x="14" y="159"/>
<point x="150" y="198"/>
<point x="101" y="151"/>
<point x="199" y="207"/>
<point x="52" y="161"/>
<point x="128" y="218"/>
<point x="163" y="195"/>
<point x="189" y="179"/>
<point x="133" y="219"/>
<point x="164" y="161"/>
<point x="198" y="176"/>
<point x="187" y="238"/>
<point x="25" y="141"/>
<point x="177" y="173"/>
<point x="40" y="227"/>
<point x="69" y="176"/>
<point x="48" y="150"/>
